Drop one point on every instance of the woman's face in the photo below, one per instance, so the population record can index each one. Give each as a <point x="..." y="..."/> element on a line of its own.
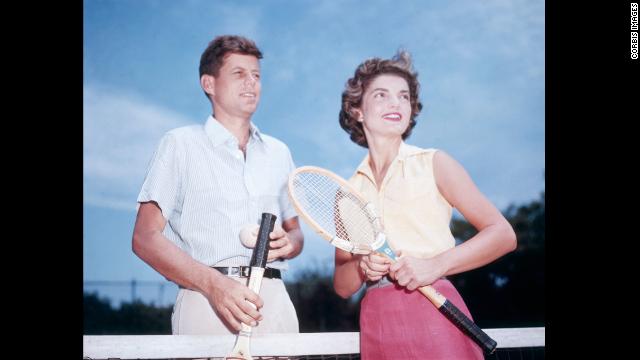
<point x="386" y="107"/>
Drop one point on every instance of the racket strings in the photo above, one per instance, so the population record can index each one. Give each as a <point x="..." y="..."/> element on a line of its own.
<point x="336" y="210"/>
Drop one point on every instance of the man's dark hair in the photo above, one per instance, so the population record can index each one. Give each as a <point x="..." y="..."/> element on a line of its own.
<point x="214" y="55"/>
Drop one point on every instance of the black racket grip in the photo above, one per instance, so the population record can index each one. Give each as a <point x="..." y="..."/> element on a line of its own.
<point x="261" y="250"/>
<point x="467" y="326"/>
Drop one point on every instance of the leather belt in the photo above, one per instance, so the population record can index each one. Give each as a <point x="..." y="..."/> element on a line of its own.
<point x="245" y="271"/>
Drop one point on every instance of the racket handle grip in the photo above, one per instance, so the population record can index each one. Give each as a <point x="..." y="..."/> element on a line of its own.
<point x="467" y="326"/>
<point x="259" y="261"/>
<point x="459" y="319"/>
<point x="261" y="249"/>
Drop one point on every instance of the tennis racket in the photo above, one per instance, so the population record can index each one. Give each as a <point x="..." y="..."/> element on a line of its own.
<point x="341" y="215"/>
<point x="242" y="347"/>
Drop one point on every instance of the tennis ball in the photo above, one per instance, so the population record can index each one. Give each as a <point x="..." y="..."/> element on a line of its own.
<point x="249" y="235"/>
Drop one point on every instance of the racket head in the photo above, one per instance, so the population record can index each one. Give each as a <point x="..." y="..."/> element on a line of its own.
<point x="335" y="210"/>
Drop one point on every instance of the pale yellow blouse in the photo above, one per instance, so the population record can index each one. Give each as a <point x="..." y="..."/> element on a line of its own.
<point x="414" y="214"/>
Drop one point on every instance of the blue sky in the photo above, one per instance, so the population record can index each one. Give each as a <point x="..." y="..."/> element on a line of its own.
<point x="481" y="67"/>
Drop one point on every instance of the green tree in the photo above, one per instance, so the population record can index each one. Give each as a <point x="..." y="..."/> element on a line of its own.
<point x="508" y="292"/>
<point x="136" y="318"/>
<point x="318" y="306"/>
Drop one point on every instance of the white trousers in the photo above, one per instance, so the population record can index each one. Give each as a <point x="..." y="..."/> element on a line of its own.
<point x="193" y="315"/>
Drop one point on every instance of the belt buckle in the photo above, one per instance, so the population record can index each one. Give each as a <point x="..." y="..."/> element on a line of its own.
<point x="245" y="271"/>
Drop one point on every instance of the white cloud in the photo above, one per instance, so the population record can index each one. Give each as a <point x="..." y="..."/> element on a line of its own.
<point x="121" y="131"/>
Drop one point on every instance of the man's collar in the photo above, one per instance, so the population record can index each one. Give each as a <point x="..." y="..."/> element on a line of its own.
<point x="218" y="134"/>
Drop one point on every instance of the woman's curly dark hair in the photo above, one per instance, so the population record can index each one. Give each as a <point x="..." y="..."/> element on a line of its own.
<point x="400" y="64"/>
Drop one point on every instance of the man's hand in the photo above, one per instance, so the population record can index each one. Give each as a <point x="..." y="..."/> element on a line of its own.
<point x="286" y="240"/>
<point x="230" y="299"/>
<point x="280" y="245"/>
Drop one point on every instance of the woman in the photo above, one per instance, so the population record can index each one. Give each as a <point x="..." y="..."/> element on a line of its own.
<point x="414" y="191"/>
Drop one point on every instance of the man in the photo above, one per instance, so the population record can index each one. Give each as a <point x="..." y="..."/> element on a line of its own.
<point x="206" y="183"/>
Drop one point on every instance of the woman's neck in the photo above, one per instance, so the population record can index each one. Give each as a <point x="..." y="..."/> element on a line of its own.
<point x="382" y="152"/>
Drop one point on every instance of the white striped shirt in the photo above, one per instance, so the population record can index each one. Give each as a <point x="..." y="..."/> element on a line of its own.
<point x="208" y="192"/>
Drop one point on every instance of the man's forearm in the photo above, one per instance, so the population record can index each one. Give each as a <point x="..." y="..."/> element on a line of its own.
<point x="173" y="263"/>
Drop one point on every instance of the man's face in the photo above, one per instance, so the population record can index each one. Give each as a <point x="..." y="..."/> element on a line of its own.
<point x="236" y="89"/>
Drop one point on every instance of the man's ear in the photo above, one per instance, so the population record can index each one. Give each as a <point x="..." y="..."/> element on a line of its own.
<point x="208" y="83"/>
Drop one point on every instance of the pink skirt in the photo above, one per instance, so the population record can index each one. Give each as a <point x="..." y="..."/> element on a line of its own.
<point x="398" y="324"/>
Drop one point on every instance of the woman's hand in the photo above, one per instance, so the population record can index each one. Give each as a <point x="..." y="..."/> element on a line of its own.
<point x="413" y="273"/>
<point x="374" y="266"/>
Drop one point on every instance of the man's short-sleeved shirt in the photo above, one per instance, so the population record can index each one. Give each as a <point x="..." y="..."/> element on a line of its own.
<point x="208" y="192"/>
